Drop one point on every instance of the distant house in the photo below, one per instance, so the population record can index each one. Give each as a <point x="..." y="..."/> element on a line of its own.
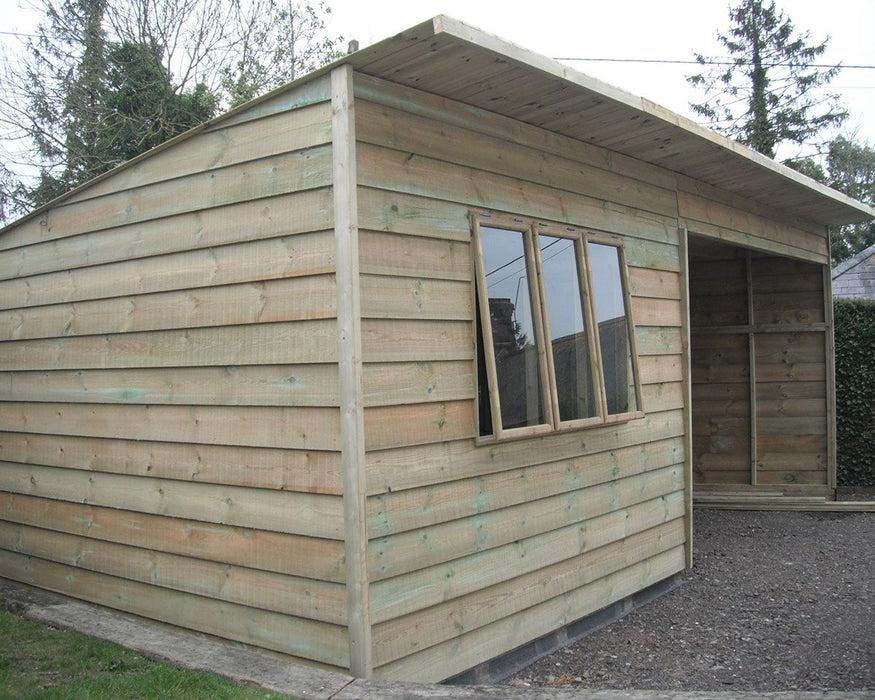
<point x="855" y="278"/>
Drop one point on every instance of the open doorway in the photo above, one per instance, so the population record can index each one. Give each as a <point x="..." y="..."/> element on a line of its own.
<point x="762" y="378"/>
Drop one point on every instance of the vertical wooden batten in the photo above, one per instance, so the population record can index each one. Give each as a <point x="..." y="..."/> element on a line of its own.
<point x="684" y="255"/>
<point x="829" y="342"/>
<point x="752" y="375"/>
<point x="349" y="353"/>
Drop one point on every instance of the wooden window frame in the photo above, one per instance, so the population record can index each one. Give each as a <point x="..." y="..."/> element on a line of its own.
<point x="531" y="229"/>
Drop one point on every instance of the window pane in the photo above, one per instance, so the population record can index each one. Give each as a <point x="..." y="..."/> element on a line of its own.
<point x="613" y="323"/>
<point x="568" y="337"/>
<point x="513" y="328"/>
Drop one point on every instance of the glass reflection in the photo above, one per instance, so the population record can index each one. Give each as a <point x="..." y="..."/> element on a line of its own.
<point x="513" y="329"/>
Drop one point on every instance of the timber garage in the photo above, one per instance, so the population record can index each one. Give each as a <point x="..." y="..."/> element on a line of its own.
<point x="411" y="362"/>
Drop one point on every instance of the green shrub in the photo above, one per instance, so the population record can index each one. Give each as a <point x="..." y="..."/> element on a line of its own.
<point x="855" y="391"/>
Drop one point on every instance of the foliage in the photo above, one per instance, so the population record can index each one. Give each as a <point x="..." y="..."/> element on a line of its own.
<point x="39" y="661"/>
<point x="850" y="169"/>
<point x="281" y="41"/>
<point x="855" y="390"/>
<point x="763" y="94"/>
<point x="106" y="81"/>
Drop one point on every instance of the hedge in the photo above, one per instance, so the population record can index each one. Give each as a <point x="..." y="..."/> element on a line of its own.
<point x="855" y="391"/>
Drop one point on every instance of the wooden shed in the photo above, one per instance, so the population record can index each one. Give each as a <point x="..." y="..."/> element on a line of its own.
<point x="388" y="372"/>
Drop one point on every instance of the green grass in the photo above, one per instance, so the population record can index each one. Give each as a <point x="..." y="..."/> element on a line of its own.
<point x="37" y="661"/>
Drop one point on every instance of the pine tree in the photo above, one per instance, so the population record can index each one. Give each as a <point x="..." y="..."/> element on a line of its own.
<point x="766" y="92"/>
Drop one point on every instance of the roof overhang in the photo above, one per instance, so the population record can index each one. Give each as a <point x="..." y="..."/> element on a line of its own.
<point x="454" y="60"/>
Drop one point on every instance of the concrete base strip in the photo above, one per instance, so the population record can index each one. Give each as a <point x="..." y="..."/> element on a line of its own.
<point x="247" y="667"/>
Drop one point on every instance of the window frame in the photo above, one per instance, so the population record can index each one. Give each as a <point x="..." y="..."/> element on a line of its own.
<point x="530" y="230"/>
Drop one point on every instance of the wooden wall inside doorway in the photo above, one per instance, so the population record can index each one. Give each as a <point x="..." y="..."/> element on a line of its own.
<point x="760" y="382"/>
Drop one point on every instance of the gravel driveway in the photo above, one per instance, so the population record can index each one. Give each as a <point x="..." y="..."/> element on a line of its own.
<point x="775" y="601"/>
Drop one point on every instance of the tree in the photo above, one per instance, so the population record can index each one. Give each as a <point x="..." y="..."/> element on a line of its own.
<point x="766" y="92"/>
<point x="850" y="169"/>
<point x="105" y="81"/>
<point x="281" y="40"/>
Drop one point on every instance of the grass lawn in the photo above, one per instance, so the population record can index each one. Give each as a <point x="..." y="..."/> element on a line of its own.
<point x="37" y="661"/>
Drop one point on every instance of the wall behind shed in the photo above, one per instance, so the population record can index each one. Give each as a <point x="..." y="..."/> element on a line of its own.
<point x="168" y="387"/>
<point x="475" y="550"/>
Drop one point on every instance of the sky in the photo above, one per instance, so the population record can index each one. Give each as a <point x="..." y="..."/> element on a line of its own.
<point x="643" y="29"/>
<point x="619" y="29"/>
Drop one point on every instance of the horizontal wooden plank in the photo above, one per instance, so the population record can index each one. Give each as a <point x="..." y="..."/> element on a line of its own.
<point x="283" y="215"/>
<point x="305" y="598"/>
<point x="767" y="476"/>
<point x="420" y="590"/>
<point x="739" y="391"/>
<point x="399" y="212"/>
<point x="656" y="312"/>
<point x="270" y="301"/>
<point x="284" y="633"/>
<point x="312" y="91"/>
<point x="400" y="511"/>
<point x="400" y="171"/>
<point x="260" y="467"/>
<point x="222" y="146"/>
<point x="657" y="369"/>
<point x="265" y="385"/>
<point x="456" y="616"/>
<point x="463" y="114"/>
<point x="792" y="461"/>
<point x="796" y="441"/>
<point x="775" y="391"/>
<point x="298" y="342"/>
<point x="403" y="552"/>
<point x="788" y="408"/>
<point x="656" y="284"/>
<point x="313" y="515"/>
<point x="806" y="280"/>
<point x="797" y="372"/>
<point x="308" y="168"/>
<point x="384" y="126"/>
<point x="309" y="557"/>
<point x="721" y="407"/>
<point x="788" y="307"/>
<point x="710" y="477"/>
<point x="662" y="397"/>
<point x="403" y="468"/>
<point x="418" y="424"/>
<point x="746" y="240"/>
<point x="658" y="340"/>
<point x="657" y="256"/>
<point x="416" y="341"/>
<point x="396" y="255"/>
<point x="438" y="662"/>
<point x="289" y="256"/>
<point x="720" y="426"/>
<point x="790" y="426"/>
<point x="762" y="230"/>
<point x="392" y="383"/>
<point x="307" y="428"/>
<point x="408" y="297"/>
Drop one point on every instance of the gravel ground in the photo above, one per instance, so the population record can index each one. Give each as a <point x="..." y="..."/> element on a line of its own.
<point x="775" y="601"/>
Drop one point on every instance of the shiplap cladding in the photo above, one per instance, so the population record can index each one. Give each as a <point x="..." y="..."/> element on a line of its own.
<point x="169" y="415"/>
<point x="761" y="337"/>
<point x="477" y="549"/>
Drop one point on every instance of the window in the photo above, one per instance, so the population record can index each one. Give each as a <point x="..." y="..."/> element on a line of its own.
<point x="555" y="347"/>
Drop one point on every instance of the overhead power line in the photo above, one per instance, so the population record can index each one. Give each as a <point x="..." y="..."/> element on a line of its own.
<point x="699" y="63"/>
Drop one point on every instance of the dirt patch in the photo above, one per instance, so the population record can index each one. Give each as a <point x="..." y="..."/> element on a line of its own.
<point x="775" y="601"/>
